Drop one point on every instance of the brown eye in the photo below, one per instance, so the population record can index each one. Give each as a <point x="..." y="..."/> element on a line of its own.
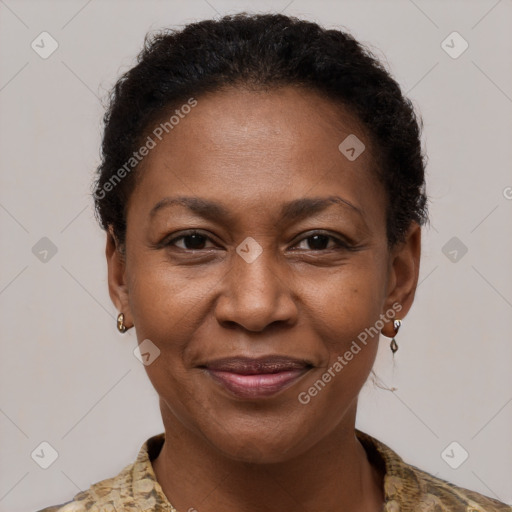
<point x="190" y="241"/>
<point x="320" y="242"/>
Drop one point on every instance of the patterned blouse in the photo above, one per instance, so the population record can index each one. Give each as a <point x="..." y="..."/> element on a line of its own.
<point x="406" y="488"/>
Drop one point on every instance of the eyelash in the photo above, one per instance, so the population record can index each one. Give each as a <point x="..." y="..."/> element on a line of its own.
<point x="340" y="244"/>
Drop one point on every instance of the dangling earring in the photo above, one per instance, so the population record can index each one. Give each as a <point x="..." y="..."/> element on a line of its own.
<point x="393" y="345"/>
<point x="120" y="323"/>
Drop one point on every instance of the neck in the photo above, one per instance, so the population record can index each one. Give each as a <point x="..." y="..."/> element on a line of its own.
<point x="333" y="475"/>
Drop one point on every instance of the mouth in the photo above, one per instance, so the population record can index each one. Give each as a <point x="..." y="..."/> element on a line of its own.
<point x="251" y="378"/>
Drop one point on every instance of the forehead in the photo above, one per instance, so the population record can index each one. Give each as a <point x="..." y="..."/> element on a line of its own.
<point x="291" y="121"/>
<point x="253" y="149"/>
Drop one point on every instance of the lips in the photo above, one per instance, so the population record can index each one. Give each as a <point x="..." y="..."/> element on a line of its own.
<point x="251" y="378"/>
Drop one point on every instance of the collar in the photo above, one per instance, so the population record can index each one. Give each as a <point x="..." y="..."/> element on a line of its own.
<point x="400" y="479"/>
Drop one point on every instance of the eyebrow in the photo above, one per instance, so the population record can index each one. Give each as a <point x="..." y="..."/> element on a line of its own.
<point x="293" y="210"/>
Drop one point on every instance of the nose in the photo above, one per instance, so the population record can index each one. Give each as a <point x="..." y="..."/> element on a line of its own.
<point x="255" y="295"/>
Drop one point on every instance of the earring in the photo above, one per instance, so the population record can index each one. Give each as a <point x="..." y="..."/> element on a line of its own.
<point x="120" y="323"/>
<point x="393" y="345"/>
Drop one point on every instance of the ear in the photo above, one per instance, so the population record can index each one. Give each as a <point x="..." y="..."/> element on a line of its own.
<point x="404" y="267"/>
<point x="117" y="286"/>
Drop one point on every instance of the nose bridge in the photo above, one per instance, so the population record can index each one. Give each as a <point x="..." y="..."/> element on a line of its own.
<point x="253" y="268"/>
<point x="255" y="277"/>
<point x="257" y="293"/>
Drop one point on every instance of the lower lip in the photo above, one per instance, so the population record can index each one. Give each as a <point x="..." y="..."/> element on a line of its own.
<point x="256" y="386"/>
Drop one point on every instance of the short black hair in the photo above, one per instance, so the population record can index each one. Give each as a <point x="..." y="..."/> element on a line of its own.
<point x="262" y="51"/>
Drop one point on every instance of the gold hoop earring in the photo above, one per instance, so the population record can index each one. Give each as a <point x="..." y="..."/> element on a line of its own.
<point x="120" y="323"/>
<point x="393" y="345"/>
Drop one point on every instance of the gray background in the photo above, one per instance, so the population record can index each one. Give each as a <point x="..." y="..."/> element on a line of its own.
<point x="68" y="378"/>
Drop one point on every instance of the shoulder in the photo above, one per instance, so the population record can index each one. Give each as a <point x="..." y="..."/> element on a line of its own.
<point x="134" y="488"/>
<point x="102" y="496"/>
<point x="437" y="494"/>
<point x="408" y="488"/>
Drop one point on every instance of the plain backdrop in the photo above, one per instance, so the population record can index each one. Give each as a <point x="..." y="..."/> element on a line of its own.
<point x="69" y="379"/>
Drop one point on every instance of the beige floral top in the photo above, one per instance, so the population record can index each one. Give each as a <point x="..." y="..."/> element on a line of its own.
<point x="406" y="488"/>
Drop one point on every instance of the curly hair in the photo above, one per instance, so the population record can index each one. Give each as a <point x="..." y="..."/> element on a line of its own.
<point x="262" y="51"/>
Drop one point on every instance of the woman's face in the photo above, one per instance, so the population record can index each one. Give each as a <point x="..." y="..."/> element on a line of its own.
<point x="288" y="269"/>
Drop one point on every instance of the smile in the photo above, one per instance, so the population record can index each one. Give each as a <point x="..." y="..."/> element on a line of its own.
<point x="257" y="378"/>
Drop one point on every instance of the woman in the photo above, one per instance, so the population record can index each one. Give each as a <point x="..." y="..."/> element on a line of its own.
<point x="262" y="190"/>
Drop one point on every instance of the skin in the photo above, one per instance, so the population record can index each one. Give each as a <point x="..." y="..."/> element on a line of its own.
<point x="252" y="152"/>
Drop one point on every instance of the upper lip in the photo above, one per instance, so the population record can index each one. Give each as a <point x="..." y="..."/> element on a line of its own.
<point x="253" y="366"/>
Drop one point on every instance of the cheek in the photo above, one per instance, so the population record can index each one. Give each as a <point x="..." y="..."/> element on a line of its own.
<point x="161" y="308"/>
<point x="346" y="303"/>
<point x="350" y="344"/>
<point x="164" y="302"/>
<point x="345" y="317"/>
